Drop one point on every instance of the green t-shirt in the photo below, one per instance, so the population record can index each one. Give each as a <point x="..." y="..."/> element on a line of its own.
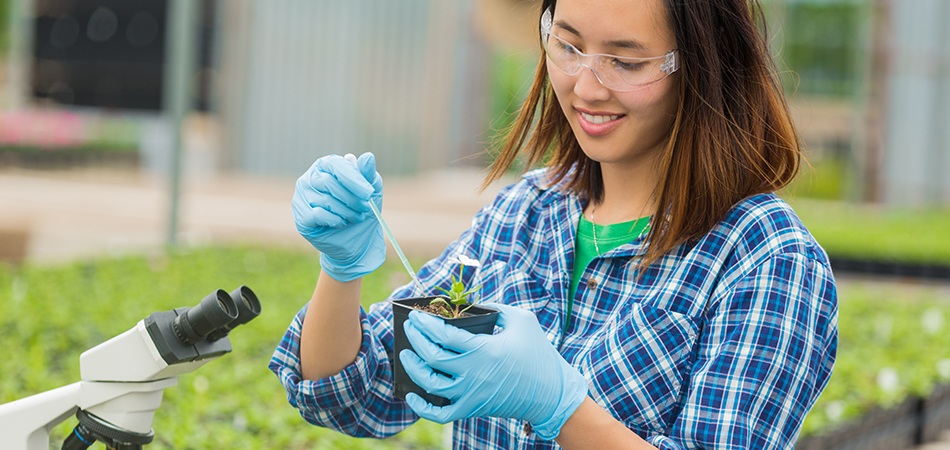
<point x="609" y="237"/>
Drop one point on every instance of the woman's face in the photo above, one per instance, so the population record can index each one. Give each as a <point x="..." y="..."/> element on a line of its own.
<point x="624" y="128"/>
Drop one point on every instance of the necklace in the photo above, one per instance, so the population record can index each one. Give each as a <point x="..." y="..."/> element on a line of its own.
<point x="593" y="227"/>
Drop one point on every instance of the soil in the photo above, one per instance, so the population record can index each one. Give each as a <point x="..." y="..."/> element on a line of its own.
<point x="440" y="310"/>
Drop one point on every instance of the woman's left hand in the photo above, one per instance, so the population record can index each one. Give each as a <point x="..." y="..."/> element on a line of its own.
<point x="516" y="373"/>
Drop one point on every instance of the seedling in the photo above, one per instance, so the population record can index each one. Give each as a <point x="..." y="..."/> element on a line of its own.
<point x="458" y="294"/>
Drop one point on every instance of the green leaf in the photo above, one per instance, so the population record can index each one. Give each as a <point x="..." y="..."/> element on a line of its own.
<point x="439" y="300"/>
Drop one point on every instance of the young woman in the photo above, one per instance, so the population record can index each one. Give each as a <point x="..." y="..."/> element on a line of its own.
<point x="654" y="292"/>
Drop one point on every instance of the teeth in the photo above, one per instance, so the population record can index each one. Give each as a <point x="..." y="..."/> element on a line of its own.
<point x="598" y="119"/>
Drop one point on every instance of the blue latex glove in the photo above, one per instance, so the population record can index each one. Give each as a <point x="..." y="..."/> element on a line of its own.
<point x="332" y="212"/>
<point x="516" y="373"/>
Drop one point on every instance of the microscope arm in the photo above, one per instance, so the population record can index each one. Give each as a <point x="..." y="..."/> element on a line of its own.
<point x="26" y="424"/>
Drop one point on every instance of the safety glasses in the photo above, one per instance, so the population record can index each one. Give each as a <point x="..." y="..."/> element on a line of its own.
<point x="618" y="73"/>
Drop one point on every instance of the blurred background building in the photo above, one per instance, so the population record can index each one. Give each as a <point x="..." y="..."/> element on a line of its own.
<point x="427" y="84"/>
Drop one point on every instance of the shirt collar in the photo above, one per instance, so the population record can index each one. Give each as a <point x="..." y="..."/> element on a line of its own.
<point x="550" y="192"/>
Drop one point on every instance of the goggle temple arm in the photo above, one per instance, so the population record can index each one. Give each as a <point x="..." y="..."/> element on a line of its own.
<point x="671" y="64"/>
<point x="546" y="23"/>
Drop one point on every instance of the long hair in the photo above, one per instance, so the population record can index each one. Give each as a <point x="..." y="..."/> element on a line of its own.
<point x="732" y="136"/>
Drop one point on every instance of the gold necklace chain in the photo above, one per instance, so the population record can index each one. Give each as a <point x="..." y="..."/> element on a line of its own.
<point x="593" y="227"/>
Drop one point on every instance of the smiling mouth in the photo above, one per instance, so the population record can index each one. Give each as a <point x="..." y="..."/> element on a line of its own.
<point x="598" y="119"/>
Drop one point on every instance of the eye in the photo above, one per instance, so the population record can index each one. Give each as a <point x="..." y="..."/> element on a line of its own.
<point x="628" y="66"/>
<point x="565" y="47"/>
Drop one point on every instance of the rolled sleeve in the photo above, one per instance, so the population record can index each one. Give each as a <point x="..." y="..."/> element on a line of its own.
<point x="358" y="401"/>
<point x="664" y="443"/>
<point x="767" y="350"/>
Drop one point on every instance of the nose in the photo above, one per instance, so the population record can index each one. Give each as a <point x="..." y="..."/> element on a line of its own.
<point x="588" y="87"/>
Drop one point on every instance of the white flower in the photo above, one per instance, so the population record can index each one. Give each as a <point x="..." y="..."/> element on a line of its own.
<point x="466" y="261"/>
<point x="835" y="410"/>
<point x="932" y="320"/>
<point x="888" y="380"/>
<point x="943" y="368"/>
<point x="883" y="325"/>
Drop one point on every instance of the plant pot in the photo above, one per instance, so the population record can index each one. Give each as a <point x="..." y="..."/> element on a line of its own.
<point x="477" y="320"/>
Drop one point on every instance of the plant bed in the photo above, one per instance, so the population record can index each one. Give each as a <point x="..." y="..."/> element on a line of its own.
<point x="54" y="312"/>
<point x="893" y="348"/>
<point x="890" y="268"/>
<point x="475" y="319"/>
<point x="935" y="413"/>
<point x="69" y="157"/>
<point x="915" y="421"/>
<point x="892" y="428"/>
<point x="873" y="232"/>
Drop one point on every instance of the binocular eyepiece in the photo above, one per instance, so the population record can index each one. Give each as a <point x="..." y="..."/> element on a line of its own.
<point x="216" y="315"/>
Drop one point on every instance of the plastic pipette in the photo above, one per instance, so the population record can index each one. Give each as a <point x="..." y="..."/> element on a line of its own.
<point x="389" y="234"/>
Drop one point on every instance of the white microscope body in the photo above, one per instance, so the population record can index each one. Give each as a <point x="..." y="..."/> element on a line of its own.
<point x="123" y="378"/>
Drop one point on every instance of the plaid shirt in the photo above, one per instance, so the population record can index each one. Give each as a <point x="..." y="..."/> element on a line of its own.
<point x="725" y="343"/>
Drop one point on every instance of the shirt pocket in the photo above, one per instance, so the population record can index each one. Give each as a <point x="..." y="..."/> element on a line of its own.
<point x="502" y="283"/>
<point x="638" y="365"/>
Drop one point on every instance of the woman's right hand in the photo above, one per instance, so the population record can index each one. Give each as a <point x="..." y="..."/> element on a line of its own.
<point x="331" y="210"/>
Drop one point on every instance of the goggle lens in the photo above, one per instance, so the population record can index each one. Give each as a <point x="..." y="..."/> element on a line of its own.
<point x="614" y="72"/>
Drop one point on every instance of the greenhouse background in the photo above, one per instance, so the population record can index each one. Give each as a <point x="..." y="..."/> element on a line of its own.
<point x="285" y="81"/>
<point x="113" y="206"/>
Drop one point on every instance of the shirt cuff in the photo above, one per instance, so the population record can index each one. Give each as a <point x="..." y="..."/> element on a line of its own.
<point x="322" y="398"/>
<point x="664" y="443"/>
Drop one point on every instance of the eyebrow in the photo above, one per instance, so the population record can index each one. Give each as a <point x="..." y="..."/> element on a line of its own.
<point x="628" y="44"/>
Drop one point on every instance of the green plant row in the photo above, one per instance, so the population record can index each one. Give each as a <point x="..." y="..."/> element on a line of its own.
<point x="893" y="343"/>
<point x="52" y="314"/>
<point x="101" y="147"/>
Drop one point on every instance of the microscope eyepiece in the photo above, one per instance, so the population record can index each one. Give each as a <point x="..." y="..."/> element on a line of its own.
<point x="248" y="307"/>
<point x="215" y="311"/>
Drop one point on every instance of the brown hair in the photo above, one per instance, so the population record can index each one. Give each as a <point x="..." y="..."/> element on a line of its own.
<point x="732" y="136"/>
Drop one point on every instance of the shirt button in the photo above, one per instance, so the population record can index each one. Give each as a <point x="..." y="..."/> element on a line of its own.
<point x="591" y="283"/>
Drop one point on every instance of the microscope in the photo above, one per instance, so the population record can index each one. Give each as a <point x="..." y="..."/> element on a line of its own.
<point x="123" y="378"/>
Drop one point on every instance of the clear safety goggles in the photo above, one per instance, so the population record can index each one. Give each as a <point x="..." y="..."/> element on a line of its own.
<point x="618" y="73"/>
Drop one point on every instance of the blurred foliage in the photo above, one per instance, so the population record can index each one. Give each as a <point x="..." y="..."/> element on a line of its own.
<point x="511" y="76"/>
<point x="52" y="314"/>
<point x="825" y="178"/>
<point x="4" y="25"/>
<point x="892" y="343"/>
<point x="820" y="45"/>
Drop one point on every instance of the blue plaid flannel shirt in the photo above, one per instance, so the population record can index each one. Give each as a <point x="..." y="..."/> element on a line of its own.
<point x="725" y="343"/>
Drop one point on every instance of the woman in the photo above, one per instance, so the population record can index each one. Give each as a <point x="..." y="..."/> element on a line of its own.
<point x="654" y="292"/>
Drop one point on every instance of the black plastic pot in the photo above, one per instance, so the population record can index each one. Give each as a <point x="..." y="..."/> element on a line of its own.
<point x="477" y="320"/>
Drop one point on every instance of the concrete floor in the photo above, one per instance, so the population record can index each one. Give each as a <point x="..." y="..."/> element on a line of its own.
<point x="82" y="213"/>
